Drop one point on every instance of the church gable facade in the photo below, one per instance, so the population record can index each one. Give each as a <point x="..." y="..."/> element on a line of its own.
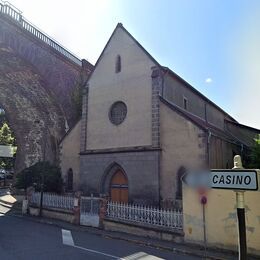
<point x="118" y="132"/>
<point x="142" y="126"/>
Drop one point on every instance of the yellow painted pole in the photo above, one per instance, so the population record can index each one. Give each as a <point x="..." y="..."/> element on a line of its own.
<point x="240" y="200"/>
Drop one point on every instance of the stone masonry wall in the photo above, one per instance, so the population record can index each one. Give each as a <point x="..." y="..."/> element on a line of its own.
<point x="36" y="86"/>
<point x="140" y="167"/>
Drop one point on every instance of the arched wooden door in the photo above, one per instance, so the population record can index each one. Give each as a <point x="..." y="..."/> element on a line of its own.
<point x="119" y="187"/>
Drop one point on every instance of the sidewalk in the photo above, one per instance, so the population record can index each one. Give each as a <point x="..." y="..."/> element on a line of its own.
<point x="188" y="249"/>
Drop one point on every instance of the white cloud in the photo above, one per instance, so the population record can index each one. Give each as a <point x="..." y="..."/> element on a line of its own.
<point x="208" y="80"/>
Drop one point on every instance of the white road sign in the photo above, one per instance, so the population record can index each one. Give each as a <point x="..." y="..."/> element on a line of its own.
<point x="234" y="179"/>
<point x="6" y="151"/>
<point x="223" y="179"/>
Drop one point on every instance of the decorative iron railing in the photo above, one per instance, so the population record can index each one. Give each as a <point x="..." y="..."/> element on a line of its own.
<point x="16" y="15"/>
<point x="52" y="200"/>
<point x="172" y="219"/>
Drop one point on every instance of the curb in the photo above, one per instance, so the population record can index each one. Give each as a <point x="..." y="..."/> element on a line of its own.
<point x="171" y="249"/>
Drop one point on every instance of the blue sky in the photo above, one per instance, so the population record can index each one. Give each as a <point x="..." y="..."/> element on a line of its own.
<point x="212" y="44"/>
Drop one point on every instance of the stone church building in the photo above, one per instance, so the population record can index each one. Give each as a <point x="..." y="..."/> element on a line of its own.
<point x="142" y="126"/>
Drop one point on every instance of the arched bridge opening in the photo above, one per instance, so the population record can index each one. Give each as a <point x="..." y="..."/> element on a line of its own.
<point x="38" y="78"/>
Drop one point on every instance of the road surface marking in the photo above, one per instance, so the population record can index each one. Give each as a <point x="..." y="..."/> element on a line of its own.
<point x="141" y="256"/>
<point x="68" y="240"/>
<point x="97" y="252"/>
<point x="67" y="237"/>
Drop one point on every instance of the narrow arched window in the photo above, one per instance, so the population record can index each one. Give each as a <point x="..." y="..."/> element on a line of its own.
<point x="118" y="64"/>
<point x="179" y="175"/>
<point x="70" y="180"/>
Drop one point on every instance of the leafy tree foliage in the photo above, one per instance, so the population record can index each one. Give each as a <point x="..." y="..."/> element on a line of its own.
<point x="77" y="92"/>
<point x="255" y="154"/>
<point x="7" y="138"/>
<point x="6" y="135"/>
<point x="77" y="97"/>
<point x="41" y="172"/>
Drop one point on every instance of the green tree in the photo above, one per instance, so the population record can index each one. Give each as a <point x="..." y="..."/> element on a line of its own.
<point x="6" y="135"/>
<point x="255" y="154"/>
<point x="7" y="138"/>
<point x="40" y="172"/>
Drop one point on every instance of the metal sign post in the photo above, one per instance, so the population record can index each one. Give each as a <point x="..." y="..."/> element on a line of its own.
<point x="241" y="215"/>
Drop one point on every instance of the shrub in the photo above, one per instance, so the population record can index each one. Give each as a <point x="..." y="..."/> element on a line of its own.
<point x="40" y="172"/>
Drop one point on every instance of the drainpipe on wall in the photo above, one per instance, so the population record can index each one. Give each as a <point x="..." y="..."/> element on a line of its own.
<point x="208" y="147"/>
<point x="206" y="114"/>
<point x="242" y="149"/>
<point x="159" y="176"/>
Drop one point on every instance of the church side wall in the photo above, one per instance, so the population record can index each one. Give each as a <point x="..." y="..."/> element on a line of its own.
<point x="183" y="145"/>
<point x="69" y="155"/>
<point x="175" y="91"/>
<point x="221" y="153"/>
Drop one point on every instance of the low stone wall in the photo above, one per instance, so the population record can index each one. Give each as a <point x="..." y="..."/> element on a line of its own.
<point x="220" y="226"/>
<point x="143" y="230"/>
<point x="61" y="214"/>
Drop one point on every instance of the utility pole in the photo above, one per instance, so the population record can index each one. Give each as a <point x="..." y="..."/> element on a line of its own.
<point x="241" y="214"/>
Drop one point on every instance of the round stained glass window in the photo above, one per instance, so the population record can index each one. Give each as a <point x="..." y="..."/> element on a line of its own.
<point x="117" y="113"/>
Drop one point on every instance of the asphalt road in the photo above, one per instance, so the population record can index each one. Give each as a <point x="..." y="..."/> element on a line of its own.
<point x="24" y="239"/>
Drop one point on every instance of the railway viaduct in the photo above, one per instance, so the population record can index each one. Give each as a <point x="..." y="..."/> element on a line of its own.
<point x="38" y="77"/>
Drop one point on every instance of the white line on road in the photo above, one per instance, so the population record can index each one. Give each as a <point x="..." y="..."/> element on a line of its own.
<point x="68" y="240"/>
<point x="67" y="237"/>
<point x="141" y="256"/>
<point x="97" y="252"/>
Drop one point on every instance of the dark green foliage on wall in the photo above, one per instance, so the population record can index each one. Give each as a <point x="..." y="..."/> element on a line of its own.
<point x="77" y="97"/>
<point x="255" y="155"/>
<point x="41" y="172"/>
<point x="77" y="92"/>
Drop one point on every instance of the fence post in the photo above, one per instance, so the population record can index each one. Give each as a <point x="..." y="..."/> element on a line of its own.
<point x="26" y="201"/>
<point x="102" y="211"/>
<point x="76" y="208"/>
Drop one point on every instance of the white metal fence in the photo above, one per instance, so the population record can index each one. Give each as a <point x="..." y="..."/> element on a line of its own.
<point x="12" y="12"/>
<point x="52" y="200"/>
<point x="172" y="219"/>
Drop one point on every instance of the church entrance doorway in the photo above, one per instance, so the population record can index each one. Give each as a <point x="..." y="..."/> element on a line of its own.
<point x="119" y="187"/>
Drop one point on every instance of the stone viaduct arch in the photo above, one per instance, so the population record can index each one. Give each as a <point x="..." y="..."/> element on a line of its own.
<point x="37" y="79"/>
